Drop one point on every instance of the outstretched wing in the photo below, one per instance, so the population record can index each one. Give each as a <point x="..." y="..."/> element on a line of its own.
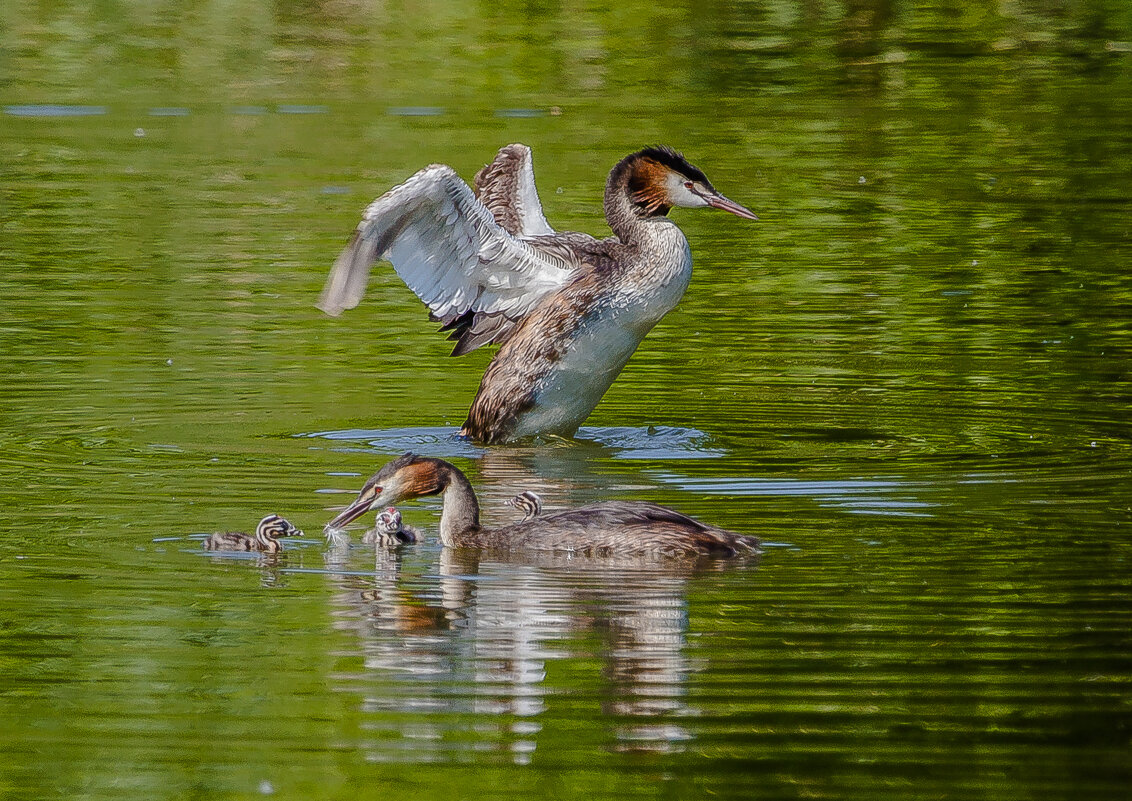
<point x="472" y="274"/>
<point x="507" y="188"/>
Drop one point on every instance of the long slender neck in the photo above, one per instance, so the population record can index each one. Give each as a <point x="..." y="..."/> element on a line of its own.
<point x="460" y="512"/>
<point x="269" y="544"/>
<point x="630" y="221"/>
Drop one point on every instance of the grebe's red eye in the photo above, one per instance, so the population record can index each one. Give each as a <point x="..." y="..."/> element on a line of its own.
<point x="687" y="184"/>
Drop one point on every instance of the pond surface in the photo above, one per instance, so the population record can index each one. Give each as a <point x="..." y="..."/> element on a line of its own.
<point x="910" y="377"/>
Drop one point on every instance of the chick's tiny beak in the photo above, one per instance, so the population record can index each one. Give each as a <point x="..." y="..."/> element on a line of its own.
<point x="355" y="510"/>
<point x="718" y="201"/>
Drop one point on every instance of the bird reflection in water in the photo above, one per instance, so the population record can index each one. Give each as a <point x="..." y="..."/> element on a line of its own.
<point x="456" y="651"/>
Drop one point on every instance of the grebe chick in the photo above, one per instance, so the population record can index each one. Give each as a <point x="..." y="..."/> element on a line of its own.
<point x="599" y="529"/>
<point x="529" y="503"/>
<point x="389" y="529"/>
<point x="264" y="540"/>
<point x="568" y="310"/>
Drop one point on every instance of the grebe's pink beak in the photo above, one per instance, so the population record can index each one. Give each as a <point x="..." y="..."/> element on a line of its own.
<point x="718" y="201"/>
<point x="355" y="510"/>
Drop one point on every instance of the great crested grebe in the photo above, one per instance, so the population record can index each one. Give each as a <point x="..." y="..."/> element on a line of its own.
<point x="264" y="540"/>
<point x="567" y="309"/>
<point x="600" y="529"/>
<point x="389" y="530"/>
<point x="529" y="503"/>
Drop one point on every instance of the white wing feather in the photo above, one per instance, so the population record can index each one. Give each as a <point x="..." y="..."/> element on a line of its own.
<point x="527" y="199"/>
<point x="446" y="246"/>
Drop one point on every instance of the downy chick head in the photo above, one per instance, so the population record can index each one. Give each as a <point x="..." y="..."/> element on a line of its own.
<point x="274" y="526"/>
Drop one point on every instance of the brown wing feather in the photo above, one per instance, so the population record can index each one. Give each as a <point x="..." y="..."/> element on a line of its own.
<point x="506" y="187"/>
<point x="494" y="185"/>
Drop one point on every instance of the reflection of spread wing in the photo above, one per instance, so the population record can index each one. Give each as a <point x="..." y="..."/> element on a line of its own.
<point x="475" y="277"/>
<point x="507" y="188"/>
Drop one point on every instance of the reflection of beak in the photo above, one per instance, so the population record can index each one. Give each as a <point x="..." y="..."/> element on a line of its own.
<point x="718" y="201"/>
<point x="355" y="510"/>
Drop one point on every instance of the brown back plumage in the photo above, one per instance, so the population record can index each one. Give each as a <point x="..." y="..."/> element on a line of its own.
<point x="619" y="527"/>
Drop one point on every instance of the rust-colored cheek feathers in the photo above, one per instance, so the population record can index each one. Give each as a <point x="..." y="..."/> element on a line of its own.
<point x="647" y="186"/>
<point x="420" y="479"/>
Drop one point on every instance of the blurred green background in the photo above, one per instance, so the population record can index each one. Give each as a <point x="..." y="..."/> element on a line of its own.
<point x="911" y="376"/>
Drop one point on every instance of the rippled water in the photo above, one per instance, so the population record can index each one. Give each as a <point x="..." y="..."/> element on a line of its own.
<point x="910" y="378"/>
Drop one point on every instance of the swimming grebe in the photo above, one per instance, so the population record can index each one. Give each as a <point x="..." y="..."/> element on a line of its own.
<point x="568" y="309"/>
<point x="389" y="529"/>
<point x="265" y="538"/>
<point x="529" y="503"/>
<point x="600" y="529"/>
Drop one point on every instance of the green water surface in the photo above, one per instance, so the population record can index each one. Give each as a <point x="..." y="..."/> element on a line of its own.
<point x="910" y="377"/>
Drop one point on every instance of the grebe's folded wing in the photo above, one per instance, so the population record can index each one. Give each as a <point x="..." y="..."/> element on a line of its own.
<point x="636" y="527"/>
<point x="447" y="247"/>
<point x="507" y="188"/>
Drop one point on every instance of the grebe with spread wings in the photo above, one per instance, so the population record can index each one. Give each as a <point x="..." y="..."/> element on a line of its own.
<point x="567" y="310"/>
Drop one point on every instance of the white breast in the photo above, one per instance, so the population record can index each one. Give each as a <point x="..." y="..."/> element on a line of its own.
<point x="601" y="347"/>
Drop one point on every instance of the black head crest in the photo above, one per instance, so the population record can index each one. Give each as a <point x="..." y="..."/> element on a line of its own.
<point x="673" y="160"/>
<point x="391" y="467"/>
<point x="645" y="175"/>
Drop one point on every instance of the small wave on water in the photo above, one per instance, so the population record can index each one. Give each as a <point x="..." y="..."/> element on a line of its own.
<point x="654" y="442"/>
<point x="620" y="442"/>
<point x="887" y="496"/>
<point x="439" y="441"/>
